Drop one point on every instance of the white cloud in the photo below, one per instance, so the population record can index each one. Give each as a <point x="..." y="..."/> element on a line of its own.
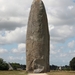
<point x="70" y="7"/>
<point x="63" y="55"/>
<point x="16" y="36"/>
<point x="15" y="58"/>
<point x="13" y="14"/>
<point x="57" y="11"/>
<point x="51" y="27"/>
<point x="70" y="54"/>
<point x="62" y="33"/>
<point x="20" y="49"/>
<point x="71" y="44"/>
<point x="61" y="18"/>
<point x="52" y="49"/>
<point x="3" y="51"/>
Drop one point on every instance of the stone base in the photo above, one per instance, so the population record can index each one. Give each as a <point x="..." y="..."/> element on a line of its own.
<point x="37" y="74"/>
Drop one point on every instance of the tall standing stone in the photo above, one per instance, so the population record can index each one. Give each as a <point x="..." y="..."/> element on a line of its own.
<point x="37" y="39"/>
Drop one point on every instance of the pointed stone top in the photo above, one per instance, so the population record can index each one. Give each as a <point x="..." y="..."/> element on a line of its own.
<point x="36" y="1"/>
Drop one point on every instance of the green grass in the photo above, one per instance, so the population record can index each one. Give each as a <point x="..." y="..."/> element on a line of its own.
<point x="61" y="73"/>
<point x="13" y="73"/>
<point x="24" y="73"/>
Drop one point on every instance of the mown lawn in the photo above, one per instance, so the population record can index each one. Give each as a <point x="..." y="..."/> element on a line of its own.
<point x="50" y="73"/>
<point x="13" y="73"/>
<point x="61" y="73"/>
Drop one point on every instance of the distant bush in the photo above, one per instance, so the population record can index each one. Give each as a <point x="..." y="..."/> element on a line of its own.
<point x="18" y="66"/>
<point x="3" y="65"/>
<point x="66" y="68"/>
<point x="15" y="65"/>
<point x="72" y="64"/>
<point x="53" y="67"/>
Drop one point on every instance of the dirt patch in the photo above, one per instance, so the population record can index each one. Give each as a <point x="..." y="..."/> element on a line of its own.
<point x="38" y="74"/>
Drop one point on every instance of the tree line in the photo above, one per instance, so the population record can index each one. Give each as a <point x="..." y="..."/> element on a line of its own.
<point x="16" y="66"/>
<point x="71" y="66"/>
<point x="3" y="65"/>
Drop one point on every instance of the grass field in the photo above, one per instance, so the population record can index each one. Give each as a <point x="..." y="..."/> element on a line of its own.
<point x="24" y="73"/>
<point x="61" y="73"/>
<point x="13" y="73"/>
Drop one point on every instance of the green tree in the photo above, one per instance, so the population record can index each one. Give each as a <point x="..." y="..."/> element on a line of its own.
<point x="3" y="65"/>
<point x="15" y="65"/>
<point x="1" y="60"/>
<point x="72" y="64"/>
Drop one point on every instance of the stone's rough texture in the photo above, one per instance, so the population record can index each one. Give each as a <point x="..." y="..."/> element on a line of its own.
<point x="37" y="40"/>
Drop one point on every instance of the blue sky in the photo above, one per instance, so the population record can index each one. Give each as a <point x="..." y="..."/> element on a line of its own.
<point x="13" y="25"/>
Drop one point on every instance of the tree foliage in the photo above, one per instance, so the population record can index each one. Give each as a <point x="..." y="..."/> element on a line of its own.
<point x="72" y="64"/>
<point x="15" y="65"/>
<point x="53" y="67"/>
<point x="3" y="65"/>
